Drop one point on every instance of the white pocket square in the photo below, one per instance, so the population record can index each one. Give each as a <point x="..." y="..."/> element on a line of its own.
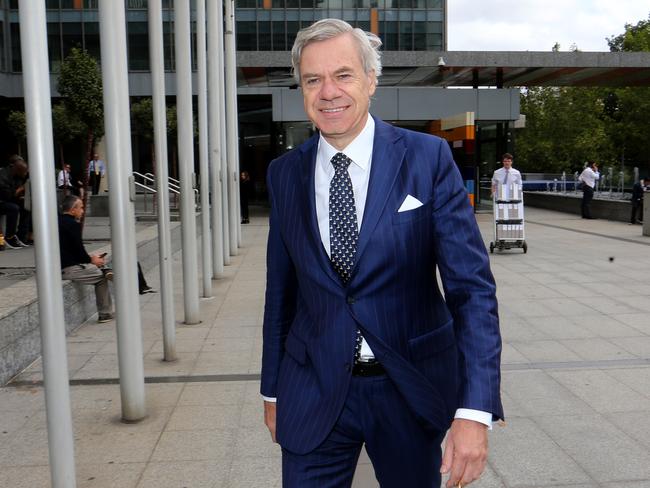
<point x="410" y="203"/>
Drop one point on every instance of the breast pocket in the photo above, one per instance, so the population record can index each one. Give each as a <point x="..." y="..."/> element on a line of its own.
<point x="419" y="213"/>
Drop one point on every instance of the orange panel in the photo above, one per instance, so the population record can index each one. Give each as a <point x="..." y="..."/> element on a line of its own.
<point x="471" y="199"/>
<point x="267" y="4"/>
<point x="78" y="4"/>
<point x="374" y="21"/>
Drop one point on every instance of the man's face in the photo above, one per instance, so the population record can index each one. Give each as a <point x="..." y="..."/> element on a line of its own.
<point x="77" y="211"/>
<point x="20" y="169"/>
<point x="507" y="163"/>
<point x="336" y="89"/>
<point x="95" y="156"/>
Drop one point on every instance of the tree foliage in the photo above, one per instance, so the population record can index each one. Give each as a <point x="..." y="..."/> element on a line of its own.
<point x="17" y="123"/>
<point x="80" y="85"/>
<point x="566" y="126"/>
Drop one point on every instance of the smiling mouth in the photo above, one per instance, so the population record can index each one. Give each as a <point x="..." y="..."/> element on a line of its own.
<point x="332" y="110"/>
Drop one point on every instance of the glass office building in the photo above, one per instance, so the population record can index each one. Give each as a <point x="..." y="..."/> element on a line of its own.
<point x="262" y="25"/>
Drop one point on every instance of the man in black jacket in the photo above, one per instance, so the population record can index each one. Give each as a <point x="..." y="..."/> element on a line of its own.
<point x="12" y="202"/>
<point x="76" y="263"/>
<point x="637" y="200"/>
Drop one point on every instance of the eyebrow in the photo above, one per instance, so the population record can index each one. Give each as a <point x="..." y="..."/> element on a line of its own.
<point x="342" y="69"/>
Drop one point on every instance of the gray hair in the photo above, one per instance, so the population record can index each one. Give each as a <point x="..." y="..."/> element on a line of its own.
<point x="367" y="43"/>
<point x="69" y="202"/>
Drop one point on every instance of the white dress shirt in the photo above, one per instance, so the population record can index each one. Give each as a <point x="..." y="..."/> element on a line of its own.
<point x="589" y="177"/>
<point x="63" y="180"/>
<point x="499" y="176"/>
<point x="360" y="152"/>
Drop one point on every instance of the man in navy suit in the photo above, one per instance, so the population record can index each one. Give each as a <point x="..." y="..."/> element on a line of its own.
<point x="360" y="347"/>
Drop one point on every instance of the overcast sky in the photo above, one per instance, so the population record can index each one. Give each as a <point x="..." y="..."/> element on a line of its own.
<point x="536" y="25"/>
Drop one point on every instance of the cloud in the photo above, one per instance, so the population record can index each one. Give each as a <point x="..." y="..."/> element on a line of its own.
<point x="508" y="25"/>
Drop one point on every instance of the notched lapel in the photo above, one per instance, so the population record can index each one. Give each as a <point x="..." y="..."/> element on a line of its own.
<point x="387" y="156"/>
<point x="308" y="193"/>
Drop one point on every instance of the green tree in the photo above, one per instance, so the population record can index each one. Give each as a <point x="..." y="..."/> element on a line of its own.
<point x="628" y="109"/>
<point x="18" y="125"/>
<point x="142" y="124"/>
<point x="80" y="86"/>
<point x="66" y="127"/>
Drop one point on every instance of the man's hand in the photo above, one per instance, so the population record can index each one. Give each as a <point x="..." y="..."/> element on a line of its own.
<point x="269" y="418"/>
<point x="465" y="453"/>
<point x="20" y="191"/>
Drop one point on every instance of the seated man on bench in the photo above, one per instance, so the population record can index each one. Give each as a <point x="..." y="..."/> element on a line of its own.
<point x="76" y="263"/>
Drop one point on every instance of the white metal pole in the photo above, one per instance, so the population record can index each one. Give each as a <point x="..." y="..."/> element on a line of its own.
<point x="112" y="31"/>
<point x="162" y="179"/>
<point x="38" y="110"/>
<point x="215" y="106"/>
<point x="206" y="236"/>
<point x="224" y="150"/>
<point x="186" y="159"/>
<point x="233" y="137"/>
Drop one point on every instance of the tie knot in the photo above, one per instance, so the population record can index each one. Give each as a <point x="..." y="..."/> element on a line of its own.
<point x="340" y="161"/>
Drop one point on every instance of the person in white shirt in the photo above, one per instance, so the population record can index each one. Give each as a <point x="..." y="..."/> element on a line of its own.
<point x="588" y="177"/>
<point x="506" y="174"/>
<point x="96" y="171"/>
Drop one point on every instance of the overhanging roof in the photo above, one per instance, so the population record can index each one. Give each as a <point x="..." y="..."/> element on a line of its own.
<point x="472" y="68"/>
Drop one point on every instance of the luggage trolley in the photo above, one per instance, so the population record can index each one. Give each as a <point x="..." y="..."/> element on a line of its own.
<point x="508" y="218"/>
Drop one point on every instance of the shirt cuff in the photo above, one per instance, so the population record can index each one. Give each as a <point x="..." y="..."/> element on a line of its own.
<point x="270" y="399"/>
<point x="475" y="415"/>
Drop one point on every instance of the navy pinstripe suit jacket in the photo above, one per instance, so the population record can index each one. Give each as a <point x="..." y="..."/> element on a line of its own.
<point x="441" y="353"/>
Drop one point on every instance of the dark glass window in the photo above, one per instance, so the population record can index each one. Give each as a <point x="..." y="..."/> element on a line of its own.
<point x="246" y="36"/>
<point x="389" y="36"/>
<point x="405" y="36"/>
<point x="91" y="4"/>
<point x="434" y="3"/>
<point x="264" y="29"/>
<point x="16" y="64"/>
<point x="71" y="36"/>
<point x="306" y="3"/>
<point x="51" y="4"/>
<point x="138" y="42"/>
<point x="54" y="45"/>
<point x="67" y="4"/>
<point x="91" y="39"/>
<point x="292" y="30"/>
<point x="168" y="45"/>
<point x="279" y="36"/>
<point x="419" y="36"/>
<point x="246" y="3"/>
<point x="3" y="60"/>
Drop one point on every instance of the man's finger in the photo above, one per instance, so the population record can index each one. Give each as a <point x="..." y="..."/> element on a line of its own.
<point x="269" y="418"/>
<point x="448" y="455"/>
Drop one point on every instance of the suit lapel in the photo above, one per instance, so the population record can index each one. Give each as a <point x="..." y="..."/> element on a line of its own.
<point x="387" y="157"/>
<point x="308" y="170"/>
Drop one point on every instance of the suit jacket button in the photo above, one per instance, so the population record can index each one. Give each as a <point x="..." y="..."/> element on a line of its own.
<point x="350" y="300"/>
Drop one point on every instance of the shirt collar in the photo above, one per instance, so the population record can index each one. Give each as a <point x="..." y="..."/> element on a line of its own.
<point x="359" y="150"/>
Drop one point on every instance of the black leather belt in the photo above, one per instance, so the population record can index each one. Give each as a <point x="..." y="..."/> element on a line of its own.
<point x="373" y="368"/>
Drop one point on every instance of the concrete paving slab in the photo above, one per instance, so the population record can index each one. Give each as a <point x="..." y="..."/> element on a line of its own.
<point x="523" y="455"/>
<point x="601" y="391"/>
<point x="567" y="390"/>
<point x="604" y="452"/>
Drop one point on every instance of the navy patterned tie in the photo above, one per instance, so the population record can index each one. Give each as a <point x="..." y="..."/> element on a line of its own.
<point x="344" y="232"/>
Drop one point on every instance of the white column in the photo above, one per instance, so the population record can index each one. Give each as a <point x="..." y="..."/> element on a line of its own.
<point x="215" y="107"/>
<point x="38" y="110"/>
<point x="186" y="159"/>
<point x="225" y="206"/>
<point x="206" y="236"/>
<point x="117" y="121"/>
<point x="233" y="132"/>
<point x="157" y="59"/>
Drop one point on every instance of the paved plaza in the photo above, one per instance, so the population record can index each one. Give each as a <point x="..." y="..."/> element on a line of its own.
<point x="575" y="318"/>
